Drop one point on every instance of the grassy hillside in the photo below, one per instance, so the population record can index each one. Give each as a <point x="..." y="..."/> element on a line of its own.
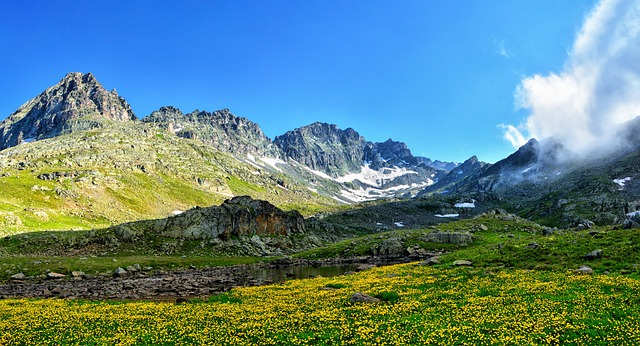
<point x="122" y="173"/>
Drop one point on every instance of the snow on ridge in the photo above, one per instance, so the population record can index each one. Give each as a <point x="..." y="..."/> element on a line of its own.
<point x="372" y="177"/>
<point x="621" y="182"/>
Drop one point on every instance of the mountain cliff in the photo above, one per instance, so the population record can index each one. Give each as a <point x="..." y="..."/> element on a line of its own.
<point x="220" y="129"/>
<point x="78" y="102"/>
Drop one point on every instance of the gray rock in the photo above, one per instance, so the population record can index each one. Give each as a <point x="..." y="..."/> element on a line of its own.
<point x="240" y="216"/>
<point x="462" y="263"/>
<point x="533" y="245"/>
<point x="460" y="238"/>
<point x="430" y="261"/>
<point x="363" y="298"/>
<point x="120" y="273"/>
<point x="131" y="269"/>
<point x="77" y="275"/>
<point x="391" y="247"/>
<point x="55" y="276"/>
<point x="584" y="270"/>
<point x="78" y="102"/>
<point x="364" y="266"/>
<point x="593" y="254"/>
<point x="18" y="277"/>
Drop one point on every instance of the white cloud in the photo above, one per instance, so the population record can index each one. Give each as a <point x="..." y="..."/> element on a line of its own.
<point x="513" y="135"/>
<point x="597" y="89"/>
<point x="501" y="49"/>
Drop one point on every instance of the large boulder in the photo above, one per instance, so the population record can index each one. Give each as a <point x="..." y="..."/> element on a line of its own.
<point x="240" y="216"/>
<point x="392" y="247"/>
<point x="450" y="237"/>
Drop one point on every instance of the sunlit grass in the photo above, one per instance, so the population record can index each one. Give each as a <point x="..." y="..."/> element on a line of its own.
<point x="429" y="306"/>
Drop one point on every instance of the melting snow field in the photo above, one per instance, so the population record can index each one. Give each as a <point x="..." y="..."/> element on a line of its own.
<point x="272" y="162"/>
<point x="399" y="224"/>
<point x="621" y="182"/>
<point x="373" y="177"/>
<point x="466" y="205"/>
<point x="447" y="215"/>
<point x="632" y="214"/>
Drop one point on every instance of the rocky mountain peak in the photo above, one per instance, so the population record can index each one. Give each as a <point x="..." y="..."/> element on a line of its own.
<point x="78" y="102"/>
<point x="324" y="147"/>
<point x="221" y="129"/>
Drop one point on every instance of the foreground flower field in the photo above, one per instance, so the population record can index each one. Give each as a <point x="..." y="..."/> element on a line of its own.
<point x="421" y="305"/>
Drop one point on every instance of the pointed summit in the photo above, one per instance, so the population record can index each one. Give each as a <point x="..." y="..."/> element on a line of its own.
<point x="78" y="102"/>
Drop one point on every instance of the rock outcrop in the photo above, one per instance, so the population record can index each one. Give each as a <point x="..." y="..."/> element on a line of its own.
<point x="237" y="217"/>
<point x="78" y="102"/>
<point x="324" y="147"/>
<point x="220" y="129"/>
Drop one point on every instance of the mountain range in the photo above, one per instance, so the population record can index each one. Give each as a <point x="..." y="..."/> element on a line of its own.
<point x="77" y="155"/>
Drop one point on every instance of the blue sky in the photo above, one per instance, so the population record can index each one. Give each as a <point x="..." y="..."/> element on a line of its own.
<point x="437" y="75"/>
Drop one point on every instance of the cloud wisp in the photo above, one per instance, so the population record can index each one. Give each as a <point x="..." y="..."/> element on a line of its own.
<point x="597" y="89"/>
<point x="501" y="49"/>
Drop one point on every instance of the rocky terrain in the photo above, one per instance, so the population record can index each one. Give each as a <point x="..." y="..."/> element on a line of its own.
<point x="78" y="102"/>
<point x="220" y="129"/>
<point x="146" y="283"/>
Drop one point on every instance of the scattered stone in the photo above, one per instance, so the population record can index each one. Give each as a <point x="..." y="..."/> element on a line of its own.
<point x="78" y="275"/>
<point x="18" y="277"/>
<point x="584" y="270"/>
<point x="510" y="235"/>
<point x="363" y="298"/>
<point x="364" y="266"/>
<point x="593" y="254"/>
<point x="55" y="276"/>
<point x="461" y="238"/>
<point x="430" y="261"/>
<point x="547" y="231"/>
<point x="585" y="224"/>
<point x="482" y="227"/>
<point x="327" y="288"/>
<point x="596" y="234"/>
<point x="120" y="273"/>
<point x="533" y="245"/>
<point x="460" y="263"/>
<point x="131" y="269"/>
<point x="391" y="247"/>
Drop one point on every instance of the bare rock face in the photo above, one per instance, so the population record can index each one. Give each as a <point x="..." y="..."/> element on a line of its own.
<point x="237" y="217"/>
<point x="221" y="129"/>
<point x="324" y="147"/>
<point x="78" y="102"/>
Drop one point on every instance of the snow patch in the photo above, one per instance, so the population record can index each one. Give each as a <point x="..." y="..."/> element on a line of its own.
<point x="632" y="214"/>
<point x="372" y="177"/>
<point x="621" y="182"/>
<point x="28" y="140"/>
<point x="466" y="205"/>
<point x="398" y="224"/>
<point x="177" y="212"/>
<point x="272" y="162"/>
<point x="447" y="215"/>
